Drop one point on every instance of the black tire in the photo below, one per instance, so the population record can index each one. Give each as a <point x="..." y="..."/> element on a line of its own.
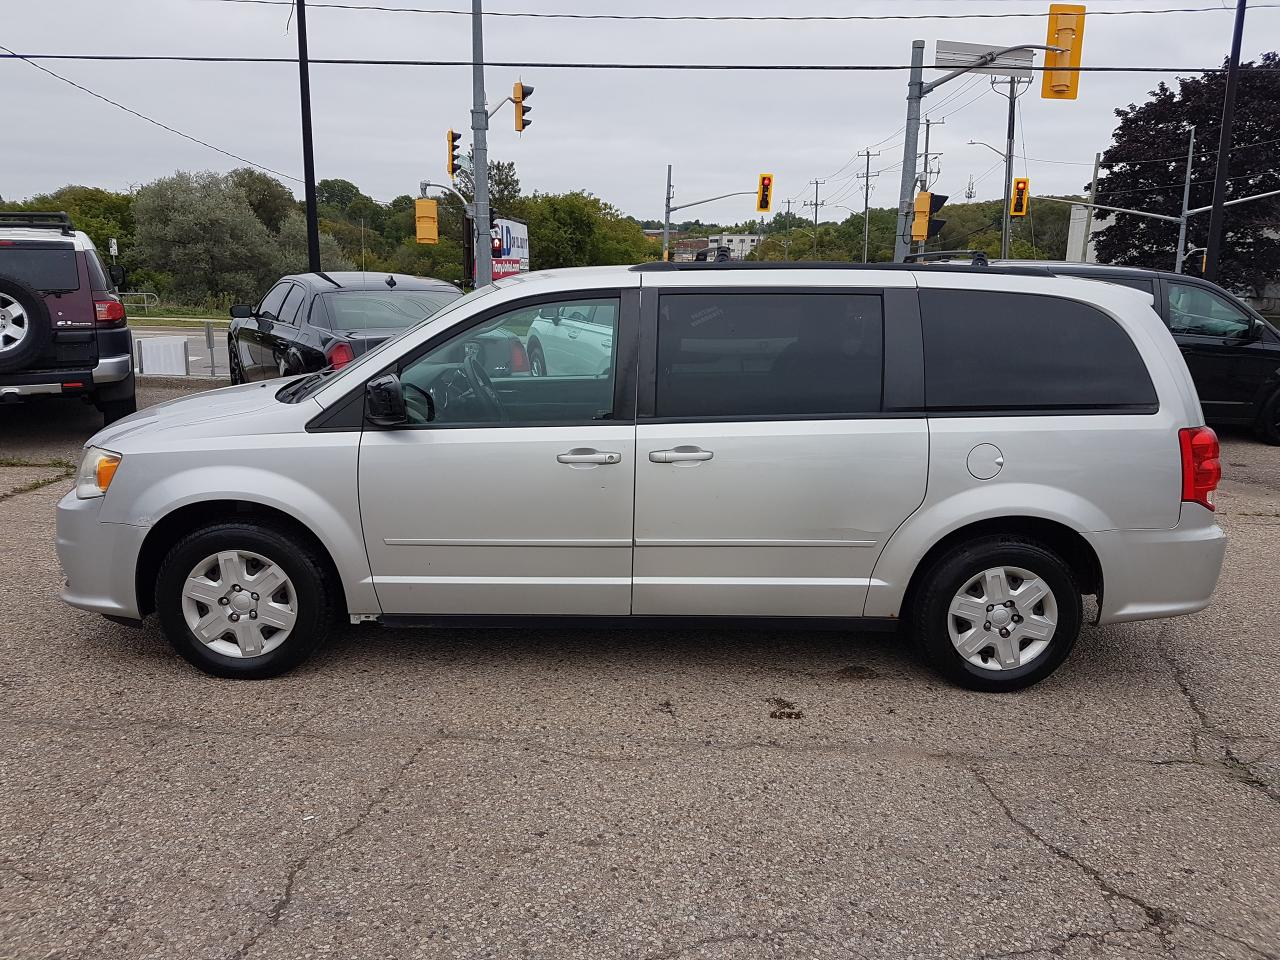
<point x="38" y="330"/>
<point x="537" y="360"/>
<point x="1269" y="422"/>
<point x="113" y="410"/>
<point x="233" y="362"/>
<point x="313" y="595"/>
<point x="943" y="581"/>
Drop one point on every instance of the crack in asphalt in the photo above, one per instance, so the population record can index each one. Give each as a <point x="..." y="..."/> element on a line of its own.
<point x="1159" y="920"/>
<point x="285" y="900"/>
<point x="35" y="485"/>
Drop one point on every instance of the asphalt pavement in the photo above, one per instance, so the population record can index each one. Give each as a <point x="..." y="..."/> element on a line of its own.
<point x="601" y="794"/>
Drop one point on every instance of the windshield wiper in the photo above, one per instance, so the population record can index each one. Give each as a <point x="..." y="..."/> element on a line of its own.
<point x="293" y="392"/>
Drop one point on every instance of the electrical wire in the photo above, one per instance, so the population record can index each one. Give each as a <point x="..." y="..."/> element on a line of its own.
<point x="736" y="18"/>
<point x="150" y="120"/>
<point x="1183" y="157"/>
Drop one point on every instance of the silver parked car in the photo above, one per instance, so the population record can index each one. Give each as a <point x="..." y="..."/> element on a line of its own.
<point x="964" y="450"/>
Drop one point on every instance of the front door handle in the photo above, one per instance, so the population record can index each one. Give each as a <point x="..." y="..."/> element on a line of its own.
<point x="588" y="455"/>
<point x="679" y="455"/>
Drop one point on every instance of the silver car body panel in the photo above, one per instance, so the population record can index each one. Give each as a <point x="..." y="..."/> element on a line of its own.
<point x="787" y="518"/>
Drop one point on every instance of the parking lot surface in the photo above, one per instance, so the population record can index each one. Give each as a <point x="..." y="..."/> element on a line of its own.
<point x="602" y="794"/>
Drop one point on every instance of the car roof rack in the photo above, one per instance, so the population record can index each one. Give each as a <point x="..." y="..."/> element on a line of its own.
<point x="60" y="220"/>
<point x="977" y="258"/>
<point x="660" y="266"/>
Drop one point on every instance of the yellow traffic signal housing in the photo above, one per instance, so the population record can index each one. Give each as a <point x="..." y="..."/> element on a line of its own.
<point x="1061" y="70"/>
<point x="764" y="193"/>
<point x="924" y="224"/>
<point x="521" y="92"/>
<point x="426" y="216"/>
<point x="1020" y="199"/>
<point x="454" y="158"/>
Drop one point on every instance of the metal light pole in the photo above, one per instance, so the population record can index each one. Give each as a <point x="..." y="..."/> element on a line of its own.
<point x="1186" y="205"/>
<point x="1216" y="215"/>
<point x="308" y="152"/>
<point x="666" y="216"/>
<point x="1093" y="197"/>
<point x="1006" y="222"/>
<point x="480" y="148"/>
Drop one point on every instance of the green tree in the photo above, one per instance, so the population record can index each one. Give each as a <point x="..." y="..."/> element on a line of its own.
<point x="102" y="214"/>
<point x="578" y="229"/>
<point x="337" y="193"/>
<point x="270" y="200"/>
<point x="291" y="248"/>
<point x="1146" y="164"/>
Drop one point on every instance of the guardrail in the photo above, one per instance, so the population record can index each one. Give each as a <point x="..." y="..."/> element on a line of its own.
<point x="139" y="299"/>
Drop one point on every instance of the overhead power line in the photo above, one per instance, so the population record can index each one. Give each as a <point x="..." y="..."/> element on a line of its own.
<point x="151" y="120"/>
<point x="577" y="65"/>
<point x="733" y="18"/>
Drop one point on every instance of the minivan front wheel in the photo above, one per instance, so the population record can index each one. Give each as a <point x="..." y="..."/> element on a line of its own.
<point x="998" y="614"/>
<point x="242" y="600"/>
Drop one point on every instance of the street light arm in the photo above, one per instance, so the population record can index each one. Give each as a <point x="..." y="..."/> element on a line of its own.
<point x="1232" y="203"/>
<point x="422" y="189"/>
<point x="504" y="100"/>
<point x="740" y="193"/>
<point x="1099" y="206"/>
<point x="979" y="143"/>
<point x="985" y="60"/>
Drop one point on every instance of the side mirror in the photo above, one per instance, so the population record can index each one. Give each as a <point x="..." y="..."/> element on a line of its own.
<point x="549" y="313"/>
<point x="241" y="311"/>
<point x="384" y="401"/>
<point x="118" y="275"/>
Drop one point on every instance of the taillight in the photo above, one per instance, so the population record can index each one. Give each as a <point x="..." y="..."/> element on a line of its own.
<point x="519" y="359"/>
<point x="340" y="354"/>
<point x="1201" y="468"/>
<point x="108" y="312"/>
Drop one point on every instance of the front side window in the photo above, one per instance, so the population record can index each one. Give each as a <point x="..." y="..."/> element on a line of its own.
<point x="372" y="309"/>
<point x="1195" y="310"/>
<point x="748" y="355"/>
<point x="1014" y="351"/>
<point x="292" y="301"/>
<point x="274" y="300"/>
<point x="548" y="364"/>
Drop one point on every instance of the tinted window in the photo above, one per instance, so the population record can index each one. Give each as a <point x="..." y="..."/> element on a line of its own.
<point x="271" y="303"/>
<point x="43" y="267"/>
<point x="1146" y="286"/>
<point x="97" y="276"/>
<point x="361" y="309"/>
<point x="1201" y="312"/>
<point x="289" y="309"/>
<point x="527" y="366"/>
<point x="992" y="351"/>
<point x="769" y="354"/>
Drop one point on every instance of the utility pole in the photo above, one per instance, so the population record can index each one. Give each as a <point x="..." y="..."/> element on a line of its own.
<point x="1006" y="221"/>
<point x="1216" y="214"/>
<point x="786" y="235"/>
<point x="1093" y="198"/>
<point x="928" y="126"/>
<point x="308" y="151"/>
<point x="816" y="204"/>
<point x="1186" y="204"/>
<point x="480" y="149"/>
<point x="866" y="206"/>
<point x="666" y="217"/>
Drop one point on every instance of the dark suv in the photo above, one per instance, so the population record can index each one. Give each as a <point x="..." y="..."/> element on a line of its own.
<point x="62" y="329"/>
<point x="1232" y="352"/>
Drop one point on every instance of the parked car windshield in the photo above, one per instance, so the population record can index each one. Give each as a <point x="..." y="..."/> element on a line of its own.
<point x="46" y="268"/>
<point x="363" y="309"/>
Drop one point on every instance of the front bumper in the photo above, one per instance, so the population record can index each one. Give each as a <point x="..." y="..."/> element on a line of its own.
<point x="98" y="559"/>
<point x="107" y="370"/>
<point x="1149" y="574"/>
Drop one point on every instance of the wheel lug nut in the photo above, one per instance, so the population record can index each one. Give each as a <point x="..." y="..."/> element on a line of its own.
<point x="1004" y="632"/>
<point x="235" y="617"/>
<point x="253" y="614"/>
<point x="1017" y="619"/>
<point x="223" y="600"/>
<point x="1008" y="603"/>
<point x="990" y="607"/>
<point x="254" y="596"/>
<point x="987" y="625"/>
<point x="237" y="588"/>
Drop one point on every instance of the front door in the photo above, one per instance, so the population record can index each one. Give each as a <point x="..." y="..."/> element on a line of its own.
<point x="767" y="478"/>
<point x="507" y="493"/>
<point x="1229" y="355"/>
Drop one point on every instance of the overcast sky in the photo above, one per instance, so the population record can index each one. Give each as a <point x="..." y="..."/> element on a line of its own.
<point x="609" y="132"/>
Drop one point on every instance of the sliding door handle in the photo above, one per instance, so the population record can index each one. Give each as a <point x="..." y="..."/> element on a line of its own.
<point x="679" y="455"/>
<point x="587" y="455"/>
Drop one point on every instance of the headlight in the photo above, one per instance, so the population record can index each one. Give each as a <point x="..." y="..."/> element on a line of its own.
<point x="96" y="472"/>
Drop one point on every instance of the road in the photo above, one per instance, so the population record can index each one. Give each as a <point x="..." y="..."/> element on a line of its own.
<point x="600" y="794"/>
<point x="202" y="364"/>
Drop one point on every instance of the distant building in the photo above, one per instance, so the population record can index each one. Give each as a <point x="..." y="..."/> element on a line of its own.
<point x="739" y="244"/>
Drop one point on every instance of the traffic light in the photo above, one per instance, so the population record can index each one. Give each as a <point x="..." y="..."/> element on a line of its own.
<point x="764" y="193"/>
<point x="519" y="94"/>
<point x="924" y="224"/>
<point x="455" y="158"/>
<point x="426" y="216"/>
<point x="1020" y="198"/>
<point x="1061" y="73"/>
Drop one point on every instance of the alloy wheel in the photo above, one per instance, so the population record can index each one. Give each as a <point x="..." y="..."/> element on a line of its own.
<point x="14" y="323"/>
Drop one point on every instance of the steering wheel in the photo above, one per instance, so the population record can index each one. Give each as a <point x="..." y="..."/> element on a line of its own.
<point x="482" y="386"/>
<point x="422" y="409"/>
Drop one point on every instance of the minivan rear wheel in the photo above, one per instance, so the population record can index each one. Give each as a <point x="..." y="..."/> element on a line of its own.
<point x="243" y="600"/>
<point x="997" y="614"/>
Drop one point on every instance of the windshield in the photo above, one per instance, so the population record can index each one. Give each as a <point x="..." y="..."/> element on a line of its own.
<point x="43" y="266"/>
<point x="364" y="309"/>
<point x="301" y="389"/>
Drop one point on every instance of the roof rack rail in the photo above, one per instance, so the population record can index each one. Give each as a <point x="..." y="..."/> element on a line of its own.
<point x="977" y="258"/>
<point x="659" y="266"/>
<point x="60" y="220"/>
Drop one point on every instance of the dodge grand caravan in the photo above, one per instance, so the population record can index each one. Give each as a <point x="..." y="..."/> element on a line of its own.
<point x="963" y="451"/>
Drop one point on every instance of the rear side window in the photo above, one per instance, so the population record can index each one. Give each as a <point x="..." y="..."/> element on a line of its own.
<point x="45" y="266"/>
<point x="746" y="355"/>
<point x="1014" y="351"/>
<point x="97" y="276"/>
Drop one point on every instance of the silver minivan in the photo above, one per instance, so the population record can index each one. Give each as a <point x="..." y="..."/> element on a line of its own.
<point x="962" y="452"/>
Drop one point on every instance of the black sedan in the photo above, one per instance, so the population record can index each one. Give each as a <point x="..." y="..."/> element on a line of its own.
<point x="310" y="321"/>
